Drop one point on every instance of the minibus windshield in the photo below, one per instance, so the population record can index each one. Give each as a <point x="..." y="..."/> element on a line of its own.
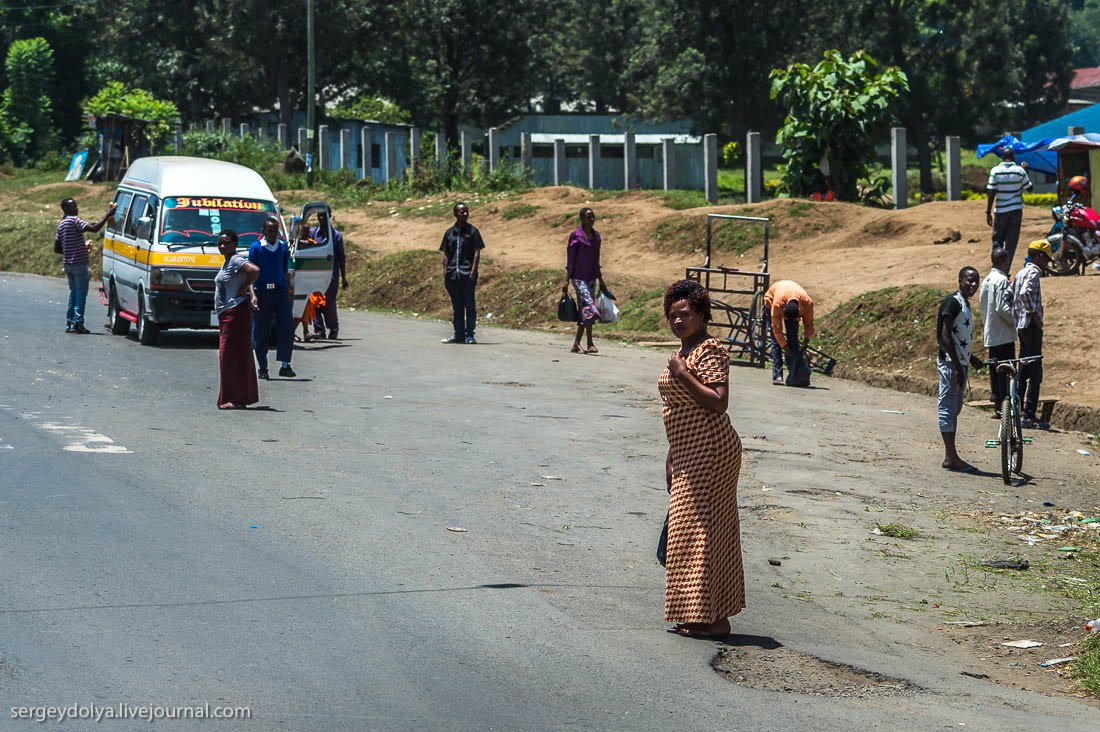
<point x="199" y="219"/>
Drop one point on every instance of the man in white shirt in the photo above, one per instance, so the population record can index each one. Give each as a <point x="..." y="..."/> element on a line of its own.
<point x="1000" y="325"/>
<point x="1006" y="186"/>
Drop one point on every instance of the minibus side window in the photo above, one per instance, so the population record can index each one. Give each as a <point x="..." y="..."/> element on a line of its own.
<point x="118" y="221"/>
<point x="137" y="208"/>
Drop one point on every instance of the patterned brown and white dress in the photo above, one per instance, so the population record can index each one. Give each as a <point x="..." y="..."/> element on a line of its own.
<point x="704" y="579"/>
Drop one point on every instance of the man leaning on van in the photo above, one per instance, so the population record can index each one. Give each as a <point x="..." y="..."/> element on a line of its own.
<point x="272" y="255"/>
<point x="69" y="243"/>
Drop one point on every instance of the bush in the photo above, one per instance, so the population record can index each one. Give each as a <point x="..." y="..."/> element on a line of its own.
<point x="26" y="128"/>
<point x="262" y="154"/>
<point x="1041" y="199"/>
<point x="731" y="154"/>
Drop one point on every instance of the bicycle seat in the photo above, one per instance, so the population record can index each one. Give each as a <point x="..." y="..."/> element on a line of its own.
<point x="1006" y="368"/>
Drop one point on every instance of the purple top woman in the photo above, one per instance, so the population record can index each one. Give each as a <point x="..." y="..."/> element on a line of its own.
<point x="583" y="270"/>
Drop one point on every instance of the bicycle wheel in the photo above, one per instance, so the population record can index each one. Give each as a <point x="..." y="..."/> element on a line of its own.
<point x="1018" y="435"/>
<point x="758" y="326"/>
<point x="1004" y="435"/>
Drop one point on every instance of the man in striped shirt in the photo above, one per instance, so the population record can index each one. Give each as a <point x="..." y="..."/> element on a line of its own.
<point x="1006" y="186"/>
<point x="74" y="253"/>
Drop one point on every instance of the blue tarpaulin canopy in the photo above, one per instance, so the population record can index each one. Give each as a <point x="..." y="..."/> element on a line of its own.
<point x="1038" y="155"/>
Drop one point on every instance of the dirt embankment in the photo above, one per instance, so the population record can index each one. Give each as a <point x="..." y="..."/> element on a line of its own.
<point x="837" y="251"/>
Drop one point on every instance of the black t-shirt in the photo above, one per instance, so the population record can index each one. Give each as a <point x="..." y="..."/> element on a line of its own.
<point x="460" y="244"/>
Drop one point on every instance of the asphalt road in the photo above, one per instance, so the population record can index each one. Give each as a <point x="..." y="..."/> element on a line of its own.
<point x="295" y="558"/>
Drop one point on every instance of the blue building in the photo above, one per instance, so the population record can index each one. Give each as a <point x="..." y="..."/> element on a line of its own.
<point x="575" y="129"/>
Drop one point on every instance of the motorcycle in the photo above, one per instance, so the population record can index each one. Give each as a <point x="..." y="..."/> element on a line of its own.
<point x="1074" y="238"/>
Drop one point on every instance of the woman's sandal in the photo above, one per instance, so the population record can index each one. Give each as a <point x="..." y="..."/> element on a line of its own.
<point x="576" y="349"/>
<point x="591" y="349"/>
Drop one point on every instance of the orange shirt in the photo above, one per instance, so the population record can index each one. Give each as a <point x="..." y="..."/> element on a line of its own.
<point x="777" y="297"/>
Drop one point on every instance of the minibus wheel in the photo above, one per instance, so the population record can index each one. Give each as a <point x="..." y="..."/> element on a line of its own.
<point x="147" y="331"/>
<point x="119" y="325"/>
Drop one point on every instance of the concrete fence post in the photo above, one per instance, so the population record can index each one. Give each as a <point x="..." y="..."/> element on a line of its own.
<point x="525" y="153"/>
<point x="898" y="164"/>
<point x="630" y="162"/>
<point x="283" y="135"/>
<point x="243" y="129"/>
<point x="302" y="141"/>
<point x="710" y="166"/>
<point x="391" y="156"/>
<point x="177" y="141"/>
<point x="668" y="163"/>
<point x="210" y="125"/>
<point x="345" y="147"/>
<point x="414" y="146"/>
<point x="227" y="126"/>
<point x="754" y="171"/>
<point x="365" y="139"/>
<point x="954" y="168"/>
<point x="323" y="161"/>
<point x="593" y="161"/>
<point x="440" y="147"/>
<point x="559" y="162"/>
<point x="494" y="148"/>
<point x="467" y="152"/>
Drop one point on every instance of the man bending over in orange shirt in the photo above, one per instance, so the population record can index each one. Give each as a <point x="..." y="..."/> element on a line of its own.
<point x="788" y="303"/>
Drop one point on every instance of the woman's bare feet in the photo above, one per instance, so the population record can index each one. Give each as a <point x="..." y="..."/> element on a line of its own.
<point x="227" y="405"/>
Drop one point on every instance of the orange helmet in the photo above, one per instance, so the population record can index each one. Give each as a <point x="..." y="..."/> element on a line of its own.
<point x="1078" y="183"/>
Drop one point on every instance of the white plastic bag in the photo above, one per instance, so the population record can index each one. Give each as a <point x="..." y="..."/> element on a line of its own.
<point x="608" y="312"/>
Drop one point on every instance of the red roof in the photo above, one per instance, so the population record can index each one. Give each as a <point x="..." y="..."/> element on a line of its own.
<point x="1085" y="78"/>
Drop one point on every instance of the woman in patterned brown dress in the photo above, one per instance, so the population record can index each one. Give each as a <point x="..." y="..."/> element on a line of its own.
<point x="704" y="580"/>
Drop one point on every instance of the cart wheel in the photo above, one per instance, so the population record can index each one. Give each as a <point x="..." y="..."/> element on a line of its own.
<point x="758" y="325"/>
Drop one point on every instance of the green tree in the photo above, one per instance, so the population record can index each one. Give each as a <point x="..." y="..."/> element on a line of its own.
<point x="372" y="108"/>
<point x="116" y="98"/>
<point x="836" y="113"/>
<point x="465" y="60"/>
<point x="26" y="113"/>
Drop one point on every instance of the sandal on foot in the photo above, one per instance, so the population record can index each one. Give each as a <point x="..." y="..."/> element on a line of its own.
<point x="591" y="349"/>
<point x="576" y="349"/>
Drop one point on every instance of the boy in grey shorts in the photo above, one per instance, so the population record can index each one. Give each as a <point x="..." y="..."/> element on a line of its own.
<point x="955" y="331"/>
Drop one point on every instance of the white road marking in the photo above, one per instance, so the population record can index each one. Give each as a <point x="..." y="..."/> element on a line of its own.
<point x="77" y="438"/>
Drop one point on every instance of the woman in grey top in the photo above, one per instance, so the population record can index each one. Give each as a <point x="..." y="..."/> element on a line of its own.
<point x="234" y="301"/>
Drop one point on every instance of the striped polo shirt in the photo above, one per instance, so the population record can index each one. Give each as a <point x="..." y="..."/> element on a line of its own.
<point x="1009" y="181"/>
<point x="71" y="233"/>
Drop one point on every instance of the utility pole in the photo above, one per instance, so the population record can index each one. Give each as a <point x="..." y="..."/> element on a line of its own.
<point x="310" y="119"/>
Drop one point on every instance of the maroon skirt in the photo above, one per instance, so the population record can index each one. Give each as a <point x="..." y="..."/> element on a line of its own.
<point x="238" y="372"/>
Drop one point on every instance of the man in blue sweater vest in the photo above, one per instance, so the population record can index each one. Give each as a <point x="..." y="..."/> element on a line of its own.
<point x="272" y="255"/>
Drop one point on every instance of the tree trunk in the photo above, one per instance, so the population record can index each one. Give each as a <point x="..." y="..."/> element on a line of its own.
<point x="283" y="83"/>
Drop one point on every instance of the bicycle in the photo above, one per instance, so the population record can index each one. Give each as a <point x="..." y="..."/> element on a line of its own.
<point x="1010" y="436"/>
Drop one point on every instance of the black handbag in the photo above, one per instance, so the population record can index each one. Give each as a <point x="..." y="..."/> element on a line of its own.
<point x="567" y="309"/>
<point x="662" y="543"/>
<point x="57" y="248"/>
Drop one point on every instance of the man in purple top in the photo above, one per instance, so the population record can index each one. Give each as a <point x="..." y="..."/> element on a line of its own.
<point x="74" y="253"/>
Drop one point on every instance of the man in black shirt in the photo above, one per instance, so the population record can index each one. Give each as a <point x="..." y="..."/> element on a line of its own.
<point x="461" y="248"/>
<point x="955" y="331"/>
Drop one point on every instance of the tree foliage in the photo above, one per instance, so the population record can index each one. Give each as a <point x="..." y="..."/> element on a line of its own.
<point x="26" y="111"/>
<point x="117" y="98"/>
<point x="372" y="108"/>
<point x="836" y="112"/>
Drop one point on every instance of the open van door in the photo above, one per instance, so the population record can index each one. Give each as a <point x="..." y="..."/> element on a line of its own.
<point x="311" y="259"/>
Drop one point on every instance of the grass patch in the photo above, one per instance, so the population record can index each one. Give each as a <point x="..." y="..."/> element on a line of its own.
<point x="519" y="211"/>
<point x="679" y="200"/>
<point x="1086" y="669"/>
<point x="563" y="219"/>
<point x="642" y="312"/>
<point x="54" y="195"/>
<point x="689" y="234"/>
<point x="890" y="327"/>
<point x="897" y="531"/>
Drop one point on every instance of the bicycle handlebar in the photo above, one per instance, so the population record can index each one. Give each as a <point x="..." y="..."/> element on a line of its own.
<point x="1026" y="359"/>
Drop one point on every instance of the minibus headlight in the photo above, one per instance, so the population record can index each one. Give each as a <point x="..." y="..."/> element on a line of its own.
<point x="165" y="277"/>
